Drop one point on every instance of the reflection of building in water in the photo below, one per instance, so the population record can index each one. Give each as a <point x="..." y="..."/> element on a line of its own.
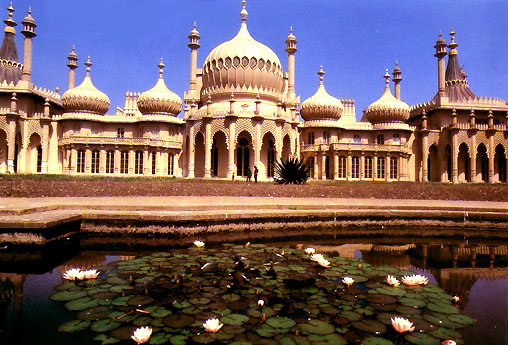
<point x="15" y="283"/>
<point x="83" y="261"/>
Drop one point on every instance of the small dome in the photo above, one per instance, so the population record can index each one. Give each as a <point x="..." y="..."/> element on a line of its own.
<point x="86" y="98"/>
<point x="242" y="63"/>
<point x="387" y="108"/>
<point x="159" y="100"/>
<point x="321" y="105"/>
<point x="28" y="18"/>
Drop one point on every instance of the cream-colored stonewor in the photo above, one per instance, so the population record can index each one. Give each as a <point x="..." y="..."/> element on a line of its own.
<point x="241" y="113"/>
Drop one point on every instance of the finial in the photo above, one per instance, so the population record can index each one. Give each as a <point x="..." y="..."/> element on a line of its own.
<point x="396" y="63"/>
<point x="291" y="29"/>
<point x="29" y="9"/>
<point x="387" y="77"/>
<point x="243" y="13"/>
<point x="161" y="68"/>
<point x="194" y="25"/>
<point x="440" y="34"/>
<point x="321" y="73"/>
<point x="88" y="64"/>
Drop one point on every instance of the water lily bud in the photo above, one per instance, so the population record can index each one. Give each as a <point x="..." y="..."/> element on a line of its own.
<point x="261" y="303"/>
<point x="455" y="299"/>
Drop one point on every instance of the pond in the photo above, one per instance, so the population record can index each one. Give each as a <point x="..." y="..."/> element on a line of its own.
<point x="475" y="271"/>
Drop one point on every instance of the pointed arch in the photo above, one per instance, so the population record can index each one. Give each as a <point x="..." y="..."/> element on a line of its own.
<point x="4" y="149"/>
<point x="434" y="166"/>
<point x="34" y="154"/>
<point x="199" y="155"/>
<point x="500" y="171"/>
<point x="464" y="163"/>
<point x="219" y="155"/>
<point x="482" y="162"/>
<point x="244" y="152"/>
<point x="267" y="155"/>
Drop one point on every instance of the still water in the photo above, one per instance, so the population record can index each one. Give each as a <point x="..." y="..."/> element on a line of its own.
<point x="476" y="271"/>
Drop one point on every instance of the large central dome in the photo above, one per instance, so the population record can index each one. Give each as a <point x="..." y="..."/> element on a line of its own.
<point x="242" y="65"/>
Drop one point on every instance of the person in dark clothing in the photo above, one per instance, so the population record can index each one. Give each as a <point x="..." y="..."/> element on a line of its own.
<point x="249" y="174"/>
<point x="256" y="172"/>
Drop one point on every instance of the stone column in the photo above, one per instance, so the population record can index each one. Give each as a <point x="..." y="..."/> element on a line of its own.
<point x="362" y="165"/>
<point x="348" y="166"/>
<point x="132" y="161"/>
<point x="231" y="151"/>
<point x="388" y="168"/>
<point x="455" y="158"/>
<point x="102" y="161"/>
<point x="190" y="167"/>
<point x="208" y="149"/>
<point x="323" y="165"/>
<point x="45" y="148"/>
<point x="73" y="160"/>
<point x="491" y="157"/>
<point x="146" y="168"/>
<point x="117" y="159"/>
<point x="335" y="165"/>
<point x="472" y="160"/>
<point x="158" y="168"/>
<point x="425" y="156"/>
<point x="11" y="147"/>
<point x="316" y="166"/>
<point x="374" y="166"/>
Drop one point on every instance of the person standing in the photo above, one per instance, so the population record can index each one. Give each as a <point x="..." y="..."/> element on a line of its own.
<point x="249" y="174"/>
<point x="256" y="172"/>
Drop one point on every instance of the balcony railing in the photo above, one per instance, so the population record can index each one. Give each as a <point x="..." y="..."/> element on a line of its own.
<point x="84" y="140"/>
<point x="354" y="147"/>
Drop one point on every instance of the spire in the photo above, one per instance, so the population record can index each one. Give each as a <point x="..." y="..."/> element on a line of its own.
<point x="8" y="51"/>
<point x="29" y="24"/>
<point x="457" y="88"/>
<point x="88" y="64"/>
<point x="9" y="21"/>
<point x="194" y="38"/>
<point x="243" y="13"/>
<point x="387" y="79"/>
<point x="291" y="42"/>
<point x="397" y="78"/>
<point x="161" y="69"/>
<point x="321" y="73"/>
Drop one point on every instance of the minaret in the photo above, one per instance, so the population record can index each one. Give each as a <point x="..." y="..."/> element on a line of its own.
<point x="72" y="64"/>
<point x="397" y="78"/>
<point x="29" y="33"/>
<point x="440" y="54"/>
<point x="193" y="45"/>
<point x="291" y="50"/>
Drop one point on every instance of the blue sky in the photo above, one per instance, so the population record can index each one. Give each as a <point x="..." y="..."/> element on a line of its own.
<point x="354" y="41"/>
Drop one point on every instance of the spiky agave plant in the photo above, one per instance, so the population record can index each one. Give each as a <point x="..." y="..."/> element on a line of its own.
<point x="292" y="170"/>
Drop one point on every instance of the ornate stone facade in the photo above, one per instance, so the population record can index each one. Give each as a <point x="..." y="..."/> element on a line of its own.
<point x="241" y="112"/>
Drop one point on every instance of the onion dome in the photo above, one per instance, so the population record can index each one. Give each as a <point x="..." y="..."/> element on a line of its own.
<point x="159" y="100"/>
<point x="86" y="98"/>
<point x="321" y="105"/>
<point x="242" y="64"/>
<point x="387" y="108"/>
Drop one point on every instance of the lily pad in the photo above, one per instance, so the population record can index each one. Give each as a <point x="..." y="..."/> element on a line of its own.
<point x="105" y="340"/>
<point x="446" y="308"/>
<point x="280" y="322"/>
<point x="462" y="319"/>
<point x="332" y="339"/>
<point x="235" y="319"/>
<point x="421" y="339"/>
<point x="376" y="341"/>
<point x="82" y="304"/>
<point x="96" y="313"/>
<point x="370" y="326"/>
<point x="104" y="325"/>
<point x="74" y="326"/>
<point x="67" y="295"/>
<point x="179" y="320"/>
<point x="317" y="327"/>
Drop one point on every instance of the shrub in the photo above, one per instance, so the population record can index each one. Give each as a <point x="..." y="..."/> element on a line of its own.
<point x="292" y="170"/>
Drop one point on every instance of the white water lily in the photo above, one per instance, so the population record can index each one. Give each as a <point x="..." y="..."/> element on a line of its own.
<point x="90" y="274"/>
<point x="310" y="251"/>
<point x="402" y="325"/>
<point x="212" y="325"/>
<point x="316" y="257"/>
<point x="71" y="274"/>
<point x="415" y="279"/>
<point x="391" y="280"/>
<point x="455" y="299"/>
<point x="199" y="244"/>
<point x="261" y="303"/>
<point x="323" y="262"/>
<point x="142" y="335"/>
<point x="448" y="342"/>
<point x="348" y="281"/>
<point x="80" y="275"/>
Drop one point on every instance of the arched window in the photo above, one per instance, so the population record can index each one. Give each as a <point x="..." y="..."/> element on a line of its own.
<point x="381" y="161"/>
<point x="120" y="133"/>
<point x="380" y="139"/>
<point x="81" y="161"/>
<point x="124" y="162"/>
<point x="396" y="139"/>
<point x="342" y="166"/>
<point x="368" y="167"/>
<point x="138" y="162"/>
<point x="95" y="161"/>
<point x="171" y="164"/>
<point x="110" y="161"/>
<point x="394" y="168"/>
<point x="39" y="158"/>
<point x="311" y="138"/>
<point x="326" y="137"/>
<point x="154" y="163"/>
<point x="356" y="139"/>
<point x="270" y="159"/>
<point x="355" y="167"/>
<point x="242" y="157"/>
